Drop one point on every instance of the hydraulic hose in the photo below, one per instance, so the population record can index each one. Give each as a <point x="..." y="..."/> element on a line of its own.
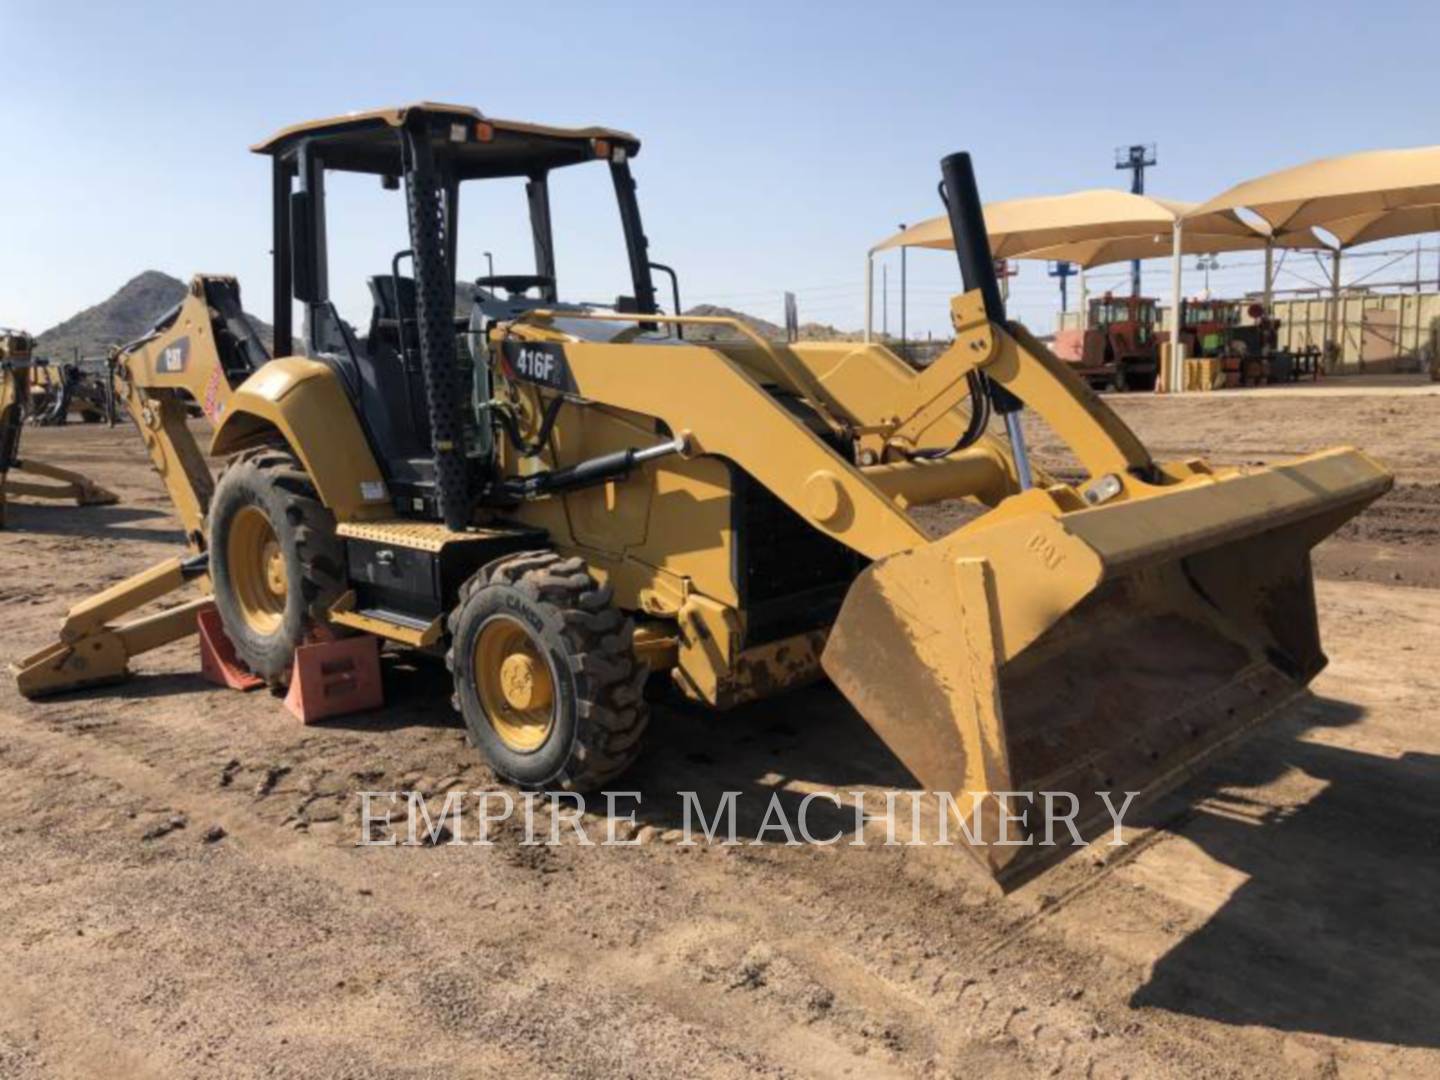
<point x="512" y="429"/>
<point x="979" y="420"/>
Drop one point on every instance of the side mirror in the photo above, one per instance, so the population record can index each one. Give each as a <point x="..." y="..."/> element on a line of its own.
<point x="306" y="272"/>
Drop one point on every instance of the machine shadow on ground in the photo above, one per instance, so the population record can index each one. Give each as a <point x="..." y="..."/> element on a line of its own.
<point x="809" y="736"/>
<point x="809" y="739"/>
<point x="92" y="522"/>
<point x="1334" y="932"/>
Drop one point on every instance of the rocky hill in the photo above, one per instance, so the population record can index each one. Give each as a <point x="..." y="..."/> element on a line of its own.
<point x="131" y="311"/>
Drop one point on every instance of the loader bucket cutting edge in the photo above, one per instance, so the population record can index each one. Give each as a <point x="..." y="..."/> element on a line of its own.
<point x="1111" y="649"/>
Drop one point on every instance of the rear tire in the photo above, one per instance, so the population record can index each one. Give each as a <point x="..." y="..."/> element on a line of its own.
<point x="275" y="560"/>
<point x="545" y="673"/>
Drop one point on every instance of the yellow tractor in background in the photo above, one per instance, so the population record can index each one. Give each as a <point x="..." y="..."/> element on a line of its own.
<point x="69" y="388"/>
<point x="564" y="498"/>
<point x="18" y="371"/>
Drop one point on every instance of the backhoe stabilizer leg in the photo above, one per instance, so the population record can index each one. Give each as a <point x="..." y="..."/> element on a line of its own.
<point x="70" y="485"/>
<point x="93" y="650"/>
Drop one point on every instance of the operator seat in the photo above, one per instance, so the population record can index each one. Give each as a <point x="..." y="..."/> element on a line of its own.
<point x="392" y="385"/>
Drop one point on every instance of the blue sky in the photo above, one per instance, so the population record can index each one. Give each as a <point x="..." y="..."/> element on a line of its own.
<point x="781" y="140"/>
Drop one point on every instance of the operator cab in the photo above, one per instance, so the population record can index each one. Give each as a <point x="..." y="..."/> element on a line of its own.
<point x="420" y="376"/>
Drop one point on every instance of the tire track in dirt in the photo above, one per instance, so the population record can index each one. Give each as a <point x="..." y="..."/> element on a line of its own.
<point x="765" y="981"/>
<point x="126" y="753"/>
<point x="509" y="1011"/>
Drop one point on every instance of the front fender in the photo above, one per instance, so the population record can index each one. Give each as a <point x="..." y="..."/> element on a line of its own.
<point x="303" y="400"/>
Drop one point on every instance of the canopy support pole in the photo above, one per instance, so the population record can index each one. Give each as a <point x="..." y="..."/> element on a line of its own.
<point x="1268" y="296"/>
<point x="869" y="294"/>
<point x="1175" y="377"/>
<point x="1337" y="358"/>
<point x="1084" y="301"/>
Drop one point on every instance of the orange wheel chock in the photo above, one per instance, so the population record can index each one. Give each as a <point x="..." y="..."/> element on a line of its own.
<point x="218" y="662"/>
<point x="333" y="678"/>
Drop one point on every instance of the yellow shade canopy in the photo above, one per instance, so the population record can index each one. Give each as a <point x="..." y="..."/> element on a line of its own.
<point x="1372" y="195"/>
<point x="1019" y="227"/>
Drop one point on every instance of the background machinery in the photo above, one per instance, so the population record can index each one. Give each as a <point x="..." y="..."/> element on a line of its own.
<point x="78" y="387"/>
<point x="562" y="498"/>
<point x="1119" y="348"/>
<point x="1206" y="325"/>
<point x="1242" y="353"/>
<point x="17" y="372"/>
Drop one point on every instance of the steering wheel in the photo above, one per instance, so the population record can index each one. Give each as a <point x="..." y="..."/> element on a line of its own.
<point x="515" y="284"/>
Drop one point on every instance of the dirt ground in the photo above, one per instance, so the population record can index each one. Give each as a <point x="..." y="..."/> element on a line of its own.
<point x="183" y="894"/>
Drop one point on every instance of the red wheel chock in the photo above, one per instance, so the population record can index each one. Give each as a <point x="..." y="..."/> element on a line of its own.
<point x="336" y="677"/>
<point x="218" y="662"/>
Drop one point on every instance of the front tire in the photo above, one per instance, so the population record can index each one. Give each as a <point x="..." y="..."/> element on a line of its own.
<point x="545" y="673"/>
<point x="275" y="560"/>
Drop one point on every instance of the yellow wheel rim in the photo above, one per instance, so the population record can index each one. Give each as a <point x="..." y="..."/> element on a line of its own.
<point x="257" y="570"/>
<point x="514" y="683"/>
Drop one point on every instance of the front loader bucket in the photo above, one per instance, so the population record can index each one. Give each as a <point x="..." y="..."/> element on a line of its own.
<point x="1099" y="649"/>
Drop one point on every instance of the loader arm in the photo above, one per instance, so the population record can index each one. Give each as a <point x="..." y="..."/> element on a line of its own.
<point x="866" y="507"/>
<point x="726" y="412"/>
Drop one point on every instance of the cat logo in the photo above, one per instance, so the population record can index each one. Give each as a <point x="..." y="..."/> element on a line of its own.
<point x="538" y="362"/>
<point x="174" y="357"/>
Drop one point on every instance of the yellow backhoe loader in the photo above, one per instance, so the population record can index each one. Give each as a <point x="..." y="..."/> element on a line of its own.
<point x="76" y="387"/>
<point x="17" y="369"/>
<point x="562" y="497"/>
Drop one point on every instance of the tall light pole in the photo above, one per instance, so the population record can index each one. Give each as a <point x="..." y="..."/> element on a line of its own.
<point x="1137" y="159"/>
<point x="1064" y="271"/>
<point x="1207" y="263"/>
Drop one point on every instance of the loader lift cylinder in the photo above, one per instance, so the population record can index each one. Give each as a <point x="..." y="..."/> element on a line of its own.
<point x="977" y="271"/>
